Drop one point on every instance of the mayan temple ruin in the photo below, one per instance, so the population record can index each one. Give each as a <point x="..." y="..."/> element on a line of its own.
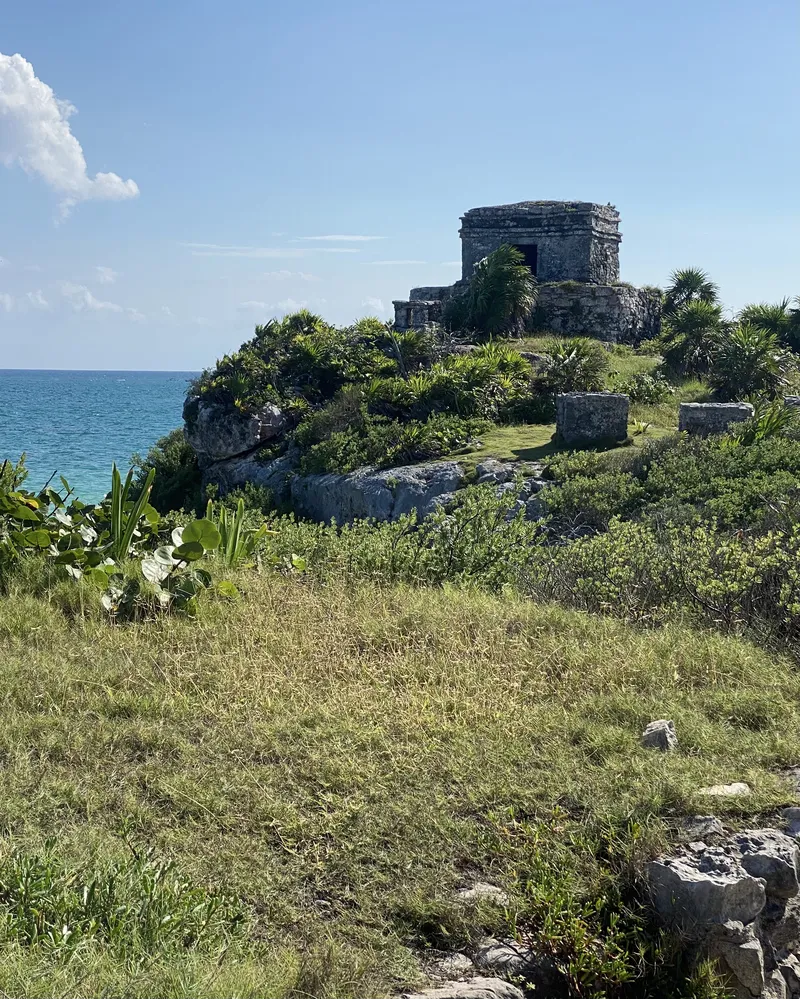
<point x="572" y="248"/>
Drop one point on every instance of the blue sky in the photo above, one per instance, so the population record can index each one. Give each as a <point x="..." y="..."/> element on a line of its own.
<point x="218" y="138"/>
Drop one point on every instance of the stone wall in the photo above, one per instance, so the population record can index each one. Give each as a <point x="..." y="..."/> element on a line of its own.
<point x="615" y="313"/>
<point x="706" y="418"/>
<point x="574" y="240"/>
<point x="588" y="418"/>
<point x="414" y="314"/>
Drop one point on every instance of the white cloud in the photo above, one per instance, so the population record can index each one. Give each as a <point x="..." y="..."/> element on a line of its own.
<point x="6" y="302"/>
<point x="82" y="300"/>
<point x="287" y="305"/>
<point x="35" y="134"/>
<point x="3" y="262"/>
<point x="167" y="311"/>
<point x="257" y="252"/>
<point x="341" y="239"/>
<point x="36" y="300"/>
<point x="376" y="304"/>
<point x="451" y="263"/>
<point x="136" y="316"/>
<point x="252" y="306"/>
<point x="288" y="275"/>
<point x="392" y="263"/>
<point x="106" y="275"/>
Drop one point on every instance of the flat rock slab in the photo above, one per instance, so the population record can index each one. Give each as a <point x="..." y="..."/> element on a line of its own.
<point x="475" y="988"/>
<point x="705" y="418"/>
<point x="726" y="790"/>
<point x="589" y="417"/>
<point x="484" y="892"/>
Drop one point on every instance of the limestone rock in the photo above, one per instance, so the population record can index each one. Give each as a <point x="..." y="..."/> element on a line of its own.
<point x="660" y="735"/>
<point x="382" y="495"/>
<point x="734" y="790"/>
<point x="514" y="960"/>
<point x="453" y="966"/>
<point x="775" y="987"/>
<point x="699" y="890"/>
<point x="789" y="967"/>
<point x="475" y="988"/>
<point x="792" y="817"/>
<point x="235" y="472"/>
<point x="745" y="961"/>
<point x="702" y="827"/>
<point x="482" y="891"/>
<point x="217" y="432"/>
<point x="773" y="856"/>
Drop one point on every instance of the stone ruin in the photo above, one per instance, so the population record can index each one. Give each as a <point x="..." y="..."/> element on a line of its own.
<point x="572" y="249"/>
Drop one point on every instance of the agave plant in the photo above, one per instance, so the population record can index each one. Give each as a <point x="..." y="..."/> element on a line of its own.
<point x="689" y="284"/>
<point x="238" y="542"/>
<point x="576" y="364"/>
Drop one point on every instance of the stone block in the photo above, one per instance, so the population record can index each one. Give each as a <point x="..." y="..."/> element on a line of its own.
<point x="704" y="418"/>
<point x="591" y="417"/>
<point x="772" y="855"/>
<point x="660" y="735"/>
<point x="475" y="988"/>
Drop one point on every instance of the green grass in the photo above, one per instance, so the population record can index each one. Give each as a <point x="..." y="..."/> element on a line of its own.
<point x="339" y="759"/>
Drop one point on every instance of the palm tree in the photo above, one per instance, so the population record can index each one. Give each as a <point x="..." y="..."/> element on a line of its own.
<point x="749" y="360"/>
<point x="500" y="296"/>
<point x="690" y="284"/>
<point x="690" y="335"/>
<point x="776" y="318"/>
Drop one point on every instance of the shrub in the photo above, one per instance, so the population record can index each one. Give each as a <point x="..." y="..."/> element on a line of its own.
<point x="177" y="481"/>
<point x="646" y="387"/>
<point x="500" y="296"/>
<point x="574" y="365"/>
<point x="690" y="335"/>
<point x="778" y="318"/>
<point x="749" y="361"/>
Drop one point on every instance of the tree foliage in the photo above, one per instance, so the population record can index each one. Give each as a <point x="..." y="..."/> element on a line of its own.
<point x="500" y="296"/>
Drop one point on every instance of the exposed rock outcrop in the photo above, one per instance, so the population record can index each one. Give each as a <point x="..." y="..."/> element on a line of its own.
<point x="737" y="903"/>
<point x="217" y="432"/>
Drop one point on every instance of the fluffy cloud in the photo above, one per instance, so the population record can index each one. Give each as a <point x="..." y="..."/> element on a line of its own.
<point x="36" y="300"/>
<point x="6" y="302"/>
<point x="376" y="304"/>
<point x="106" y="275"/>
<point x="82" y="300"/>
<point x="252" y="306"/>
<point x="35" y="134"/>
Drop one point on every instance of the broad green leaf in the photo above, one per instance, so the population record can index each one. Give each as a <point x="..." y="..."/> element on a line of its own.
<point x="203" y="531"/>
<point x="98" y="577"/>
<point x="189" y="551"/>
<point x="226" y="588"/>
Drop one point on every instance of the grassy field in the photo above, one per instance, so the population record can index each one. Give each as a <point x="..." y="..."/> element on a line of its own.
<point x="338" y="760"/>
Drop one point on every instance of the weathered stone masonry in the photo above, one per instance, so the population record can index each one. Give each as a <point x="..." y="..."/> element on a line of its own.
<point x="572" y="248"/>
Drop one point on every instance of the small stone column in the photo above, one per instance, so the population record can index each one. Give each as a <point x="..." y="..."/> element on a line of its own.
<point x="591" y="417"/>
<point x="706" y="418"/>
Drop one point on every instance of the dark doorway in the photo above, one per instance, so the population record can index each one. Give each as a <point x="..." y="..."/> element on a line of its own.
<point x="531" y="254"/>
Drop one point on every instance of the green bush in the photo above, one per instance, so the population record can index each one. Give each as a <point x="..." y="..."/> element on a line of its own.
<point x="646" y="387"/>
<point x="748" y="360"/>
<point x="500" y="296"/>
<point x="690" y="335"/>
<point x="177" y="482"/>
<point x="577" y="364"/>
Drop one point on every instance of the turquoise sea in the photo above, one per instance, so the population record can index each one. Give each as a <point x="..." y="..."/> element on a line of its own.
<point x="77" y="423"/>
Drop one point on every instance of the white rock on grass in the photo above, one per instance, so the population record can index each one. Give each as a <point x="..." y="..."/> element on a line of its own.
<point x="660" y="735"/>
<point x="475" y="988"/>
<point x="482" y="891"/>
<point x="726" y="790"/>
<point x="453" y="966"/>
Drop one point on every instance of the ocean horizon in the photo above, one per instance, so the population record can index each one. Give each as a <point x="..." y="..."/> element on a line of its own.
<point x="77" y="423"/>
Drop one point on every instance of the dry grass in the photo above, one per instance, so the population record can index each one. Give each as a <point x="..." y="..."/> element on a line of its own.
<point x="339" y="757"/>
